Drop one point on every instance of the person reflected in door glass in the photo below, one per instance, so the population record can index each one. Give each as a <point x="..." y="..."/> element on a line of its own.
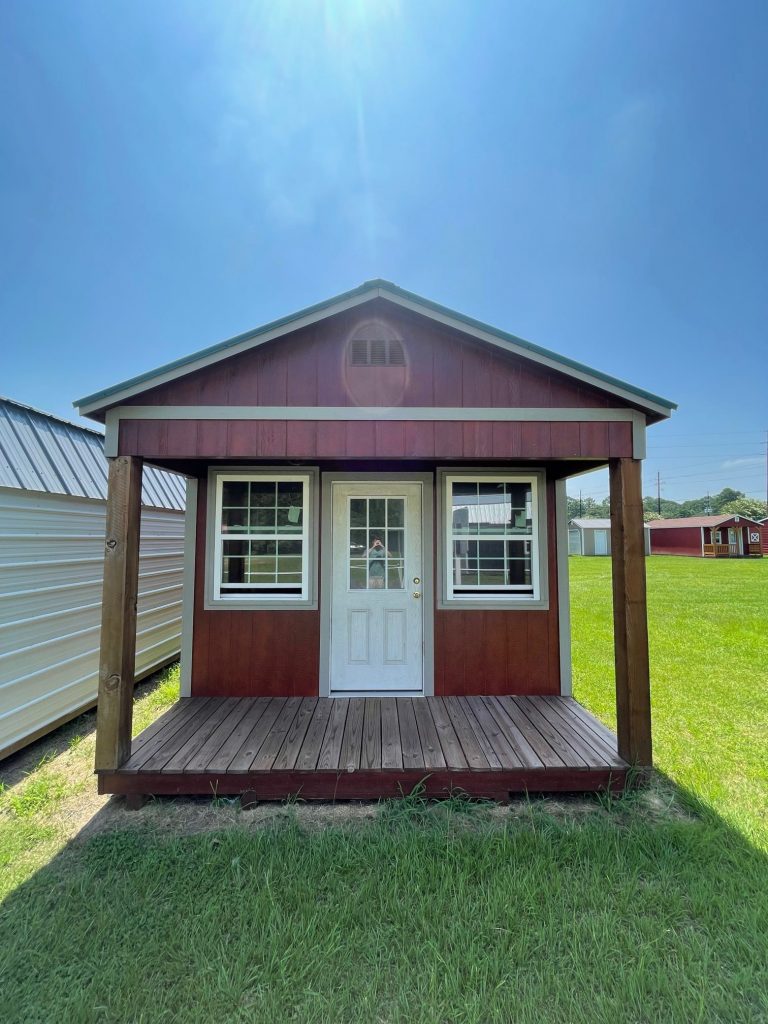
<point x="377" y="564"/>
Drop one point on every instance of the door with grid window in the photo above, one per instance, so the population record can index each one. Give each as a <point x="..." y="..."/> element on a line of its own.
<point x="377" y="589"/>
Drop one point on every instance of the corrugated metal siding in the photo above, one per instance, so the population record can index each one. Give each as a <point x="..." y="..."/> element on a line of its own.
<point x="51" y="562"/>
<point x="39" y="452"/>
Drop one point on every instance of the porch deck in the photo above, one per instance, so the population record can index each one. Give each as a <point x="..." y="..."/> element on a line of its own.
<point x="368" y="748"/>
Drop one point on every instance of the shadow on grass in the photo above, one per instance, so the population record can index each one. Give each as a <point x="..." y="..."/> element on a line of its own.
<point x="452" y="913"/>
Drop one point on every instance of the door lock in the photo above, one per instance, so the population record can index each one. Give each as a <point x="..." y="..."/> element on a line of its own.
<point x="416" y="580"/>
<point x="416" y="593"/>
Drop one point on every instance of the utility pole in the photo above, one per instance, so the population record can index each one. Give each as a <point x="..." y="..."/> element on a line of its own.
<point x="581" y="507"/>
<point x="658" y="493"/>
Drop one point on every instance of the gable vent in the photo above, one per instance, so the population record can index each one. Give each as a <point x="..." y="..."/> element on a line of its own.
<point x="376" y="352"/>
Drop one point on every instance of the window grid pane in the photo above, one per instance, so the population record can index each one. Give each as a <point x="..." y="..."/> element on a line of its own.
<point x="376" y="543"/>
<point x="266" y="517"/>
<point x="491" y="534"/>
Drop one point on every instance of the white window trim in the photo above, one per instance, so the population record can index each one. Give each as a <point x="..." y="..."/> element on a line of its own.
<point x="505" y="598"/>
<point x="215" y="599"/>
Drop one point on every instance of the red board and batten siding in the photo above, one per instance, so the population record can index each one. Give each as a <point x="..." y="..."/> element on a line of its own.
<point x="277" y="653"/>
<point x="411" y="439"/>
<point x="682" y="541"/>
<point x="444" y="368"/>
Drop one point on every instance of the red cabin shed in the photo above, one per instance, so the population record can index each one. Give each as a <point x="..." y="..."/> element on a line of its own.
<point x="377" y="583"/>
<point x="725" y="536"/>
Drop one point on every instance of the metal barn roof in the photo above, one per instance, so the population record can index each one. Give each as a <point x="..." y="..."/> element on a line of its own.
<point x="40" y="452"/>
<point x="592" y="524"/>
<point x="683" y="522"/>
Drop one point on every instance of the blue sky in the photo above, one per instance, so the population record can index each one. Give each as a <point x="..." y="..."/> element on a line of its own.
<point x="589" y="175"/>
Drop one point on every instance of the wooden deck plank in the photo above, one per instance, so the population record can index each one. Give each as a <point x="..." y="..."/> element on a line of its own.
<point x="160" y="723"/>
<point x="391" y="748"/>
<point x="351" y="744"/>
<point x="221" y="760"/>
<point x="249" y="748"/>
<point x="547" y="754"/>
<point x="477" y="729"/>
<point x="200" y="759"/>
<point x="363" y="748"/>
<point x="410" y="743"/>
<point x="160" y="736"/>
<point x="515" y="737"/>
<point x="573" y="737"/>
<point x="591" y="721"/>
<point x="289" y="751"/>
<point x="430" y="741"/>
<point x="506" y="755"/>
<point x="163" y="755"/>
<point x="370" y="756"/>
<point x="270" y="748"/>
<point x="570" y="757"/>
<point x="313" y="741"/>
<point x="453" y="751"/>
<point x="603" y="753"/>
<point x="201" y="734"/>
<point x="469" y="743"/>
<point x="331" y="748"/>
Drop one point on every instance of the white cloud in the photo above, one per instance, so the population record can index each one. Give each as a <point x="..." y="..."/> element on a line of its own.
<point x="756" y="460"/>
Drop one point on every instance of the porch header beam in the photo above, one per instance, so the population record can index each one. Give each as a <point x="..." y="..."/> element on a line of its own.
<point x="118" y="622"/>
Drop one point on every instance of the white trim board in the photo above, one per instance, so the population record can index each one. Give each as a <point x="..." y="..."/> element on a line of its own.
<point x="382" y="413"/>
<point x="289" y="325"/>
<point x="563" y="588"/>
<point x="188" y="589"/>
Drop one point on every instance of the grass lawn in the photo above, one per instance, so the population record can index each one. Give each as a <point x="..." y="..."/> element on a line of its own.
<point x="653" y="908"/>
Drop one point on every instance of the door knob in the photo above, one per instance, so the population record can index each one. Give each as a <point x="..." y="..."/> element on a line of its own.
<point x="416" y="593"/>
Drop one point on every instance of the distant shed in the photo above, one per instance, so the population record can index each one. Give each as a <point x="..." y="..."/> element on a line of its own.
<point x="53" y="490"/>
<point x="589" y="537"/>
<point x="724" y="536"/>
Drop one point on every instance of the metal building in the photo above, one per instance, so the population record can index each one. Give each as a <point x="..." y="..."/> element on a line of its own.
<point x="53" y="489"/>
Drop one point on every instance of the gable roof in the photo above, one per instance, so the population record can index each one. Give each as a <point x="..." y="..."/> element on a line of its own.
<point x="40" y="452"/>
<point x="679" y="524"/>
<point x="592" y="524"/>
<point x="377" y="289"/>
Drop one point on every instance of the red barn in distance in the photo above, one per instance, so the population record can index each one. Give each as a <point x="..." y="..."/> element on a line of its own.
<point x="724" y="536"/>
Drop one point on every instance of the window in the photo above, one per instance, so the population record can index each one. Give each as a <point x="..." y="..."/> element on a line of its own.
<point x="261" y="537"/>
<point x="491" y="538"/>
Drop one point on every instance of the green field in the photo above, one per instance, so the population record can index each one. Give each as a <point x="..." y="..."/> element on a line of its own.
<point x="651" y="908"/>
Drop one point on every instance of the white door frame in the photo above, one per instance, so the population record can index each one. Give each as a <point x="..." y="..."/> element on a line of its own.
<point x="427" y="481"/>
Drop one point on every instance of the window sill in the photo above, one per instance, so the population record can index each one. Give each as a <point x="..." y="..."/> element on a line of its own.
<point x="485" y="604"/>
<point x="268" y="604"/>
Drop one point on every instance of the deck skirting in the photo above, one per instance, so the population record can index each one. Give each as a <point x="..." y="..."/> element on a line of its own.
<point x="369" y="748"/>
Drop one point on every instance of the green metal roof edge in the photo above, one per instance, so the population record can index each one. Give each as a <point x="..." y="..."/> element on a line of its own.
<point x="222" y="346"/>
<point x="529" y="345"/>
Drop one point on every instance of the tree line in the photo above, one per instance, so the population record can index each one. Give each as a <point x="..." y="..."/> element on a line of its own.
<point x="727" y="502"/>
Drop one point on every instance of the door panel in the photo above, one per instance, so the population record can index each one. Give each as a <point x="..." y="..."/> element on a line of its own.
<point x="376" y="605"/>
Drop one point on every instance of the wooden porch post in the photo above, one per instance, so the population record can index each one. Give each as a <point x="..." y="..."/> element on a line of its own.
<point x="630" y="620"/>
<point x="118" y="616"/>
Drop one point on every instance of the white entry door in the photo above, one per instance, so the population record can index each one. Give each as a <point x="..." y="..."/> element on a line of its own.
<point x="601" y="542"/>
<point x="377" y="593"/>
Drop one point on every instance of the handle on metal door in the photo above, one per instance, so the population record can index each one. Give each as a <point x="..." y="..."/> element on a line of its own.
<point x="416" y="593"/>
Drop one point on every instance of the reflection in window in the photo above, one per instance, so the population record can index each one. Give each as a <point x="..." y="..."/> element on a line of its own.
<point x="492" y="534"/>
<point x="376" y="543"/>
